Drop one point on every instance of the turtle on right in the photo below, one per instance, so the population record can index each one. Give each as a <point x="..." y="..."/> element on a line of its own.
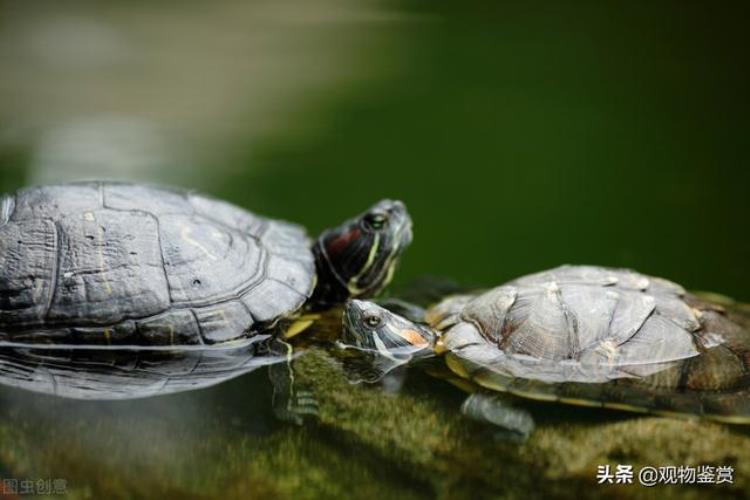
<point x="580" y="335"/>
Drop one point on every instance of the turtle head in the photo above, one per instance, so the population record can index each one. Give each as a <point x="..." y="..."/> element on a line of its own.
<point x="358" y="258"/>
<point x="371" y="328"/>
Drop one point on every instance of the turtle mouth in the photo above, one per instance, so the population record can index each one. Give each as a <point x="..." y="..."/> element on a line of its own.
<point x="400" y="222"/>
<point x="400" y="241"/>
<point x="404" y="234"/>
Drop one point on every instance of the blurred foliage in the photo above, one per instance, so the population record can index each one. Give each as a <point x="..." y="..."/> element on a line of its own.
<point x="523" y="135"/>
<point x="526" y="135"/>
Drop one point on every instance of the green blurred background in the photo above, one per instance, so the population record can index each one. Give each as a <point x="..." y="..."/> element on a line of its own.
<point x="521" y="135"/>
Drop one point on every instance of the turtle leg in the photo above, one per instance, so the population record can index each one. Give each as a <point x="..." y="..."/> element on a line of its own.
<point x="516" y="424"/>
<point x="291" y="402"/>
<point x="301" y="324"/>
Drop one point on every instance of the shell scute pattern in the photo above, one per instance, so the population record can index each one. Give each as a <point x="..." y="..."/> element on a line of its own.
<point x="587" y="313"/>
<point x="143" y="265"/>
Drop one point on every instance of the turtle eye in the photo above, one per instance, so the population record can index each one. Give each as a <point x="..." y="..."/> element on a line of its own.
<point x="376" y="220"/>
<point x="372" y="321"/>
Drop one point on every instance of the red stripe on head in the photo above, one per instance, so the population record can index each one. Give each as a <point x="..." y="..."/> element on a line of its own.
<point x="342" y="242"/>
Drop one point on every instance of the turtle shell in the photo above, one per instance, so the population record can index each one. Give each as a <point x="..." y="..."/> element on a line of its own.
<point x="127" y="264"/>
<point x="603" y="337"/>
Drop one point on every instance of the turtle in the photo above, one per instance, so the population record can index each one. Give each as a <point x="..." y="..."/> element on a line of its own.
<point x="582" y="335"/>
<point x="157" y="283"/>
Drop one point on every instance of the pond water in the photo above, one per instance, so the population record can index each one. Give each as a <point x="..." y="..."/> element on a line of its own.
<point x="520" y="136"/>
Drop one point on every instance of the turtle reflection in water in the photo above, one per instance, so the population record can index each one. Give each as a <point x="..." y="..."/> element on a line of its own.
<point x="112" y="291"/>
<point x="97" y="373"/>
<point x="576" y="334"/>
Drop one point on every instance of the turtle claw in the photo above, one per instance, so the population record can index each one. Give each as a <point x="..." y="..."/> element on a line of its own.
<point x="300" y="407"/>
<point x="306" y="403"/>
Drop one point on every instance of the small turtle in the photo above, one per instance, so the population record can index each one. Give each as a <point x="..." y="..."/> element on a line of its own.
<point x="581" y="335"/>
<point x="140" y="269"/>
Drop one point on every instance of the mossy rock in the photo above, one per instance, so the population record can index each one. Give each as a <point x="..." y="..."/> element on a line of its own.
<point x="366" y="443"/>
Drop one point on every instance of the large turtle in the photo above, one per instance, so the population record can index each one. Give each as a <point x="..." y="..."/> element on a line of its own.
<point x="156" y="274"/>
<point x="582" y="335"/>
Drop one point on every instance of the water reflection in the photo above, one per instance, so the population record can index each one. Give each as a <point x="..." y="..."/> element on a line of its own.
<point x="128" y="373"/>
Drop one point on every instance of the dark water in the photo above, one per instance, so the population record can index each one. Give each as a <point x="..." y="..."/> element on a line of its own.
<point x="520" y="135"/>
